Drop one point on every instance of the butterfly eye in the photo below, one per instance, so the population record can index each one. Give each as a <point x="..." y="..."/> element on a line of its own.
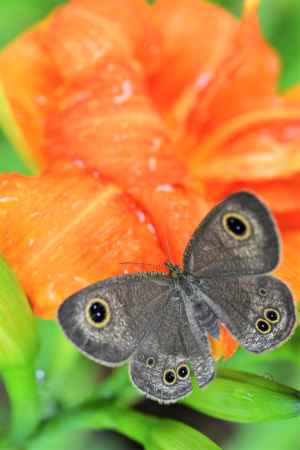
<point x="263" y="326"/>
<point x="183" y="371"/>
<point x="169" y="376"/>
<point x="272" y="315"/>
<point x="97" y="312"/>
<point x="150" y="362"/>
<point x="236" y="225"/>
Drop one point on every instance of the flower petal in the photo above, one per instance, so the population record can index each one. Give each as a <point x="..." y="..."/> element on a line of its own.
<point x="289" y="268"/>
<point x="82" y="38"/>
<point x="193" y="52"/>
<point x="63" y="231"/>
<point x="258" y="151"/>
<point x="28" y="78"/>
<point x="132" y="19"/>
<point x="176" y="211"/>
<point x="245" y="80"/>
<point x="106" y="119"/>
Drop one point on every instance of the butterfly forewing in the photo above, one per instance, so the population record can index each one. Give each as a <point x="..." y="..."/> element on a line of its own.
<point x="107" y="320"/>
<point x="237" y="237"/>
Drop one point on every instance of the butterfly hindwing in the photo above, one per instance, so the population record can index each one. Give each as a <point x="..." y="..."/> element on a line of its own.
<point x="153" y="368"/>
<point x="237" y="237"/>
<point x="163" y="362"/>
<point x="198" y="347"/>
<point x="258" y="310"/>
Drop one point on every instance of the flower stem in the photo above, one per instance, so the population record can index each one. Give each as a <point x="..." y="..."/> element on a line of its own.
<point x="21" y="386"/>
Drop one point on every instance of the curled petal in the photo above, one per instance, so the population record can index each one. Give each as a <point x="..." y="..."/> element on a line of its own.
<point x="251" y="141"/>
<point x="246" y="80"/>
<point x="133" y="20"/>
<point x="81" y="37"/>
<point x="256" y="151"/>
<point x="194" y="51"/>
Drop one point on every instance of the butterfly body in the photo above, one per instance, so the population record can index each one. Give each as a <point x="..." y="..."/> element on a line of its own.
<point x="160" y="323"/>
<point x="188" y="289"/>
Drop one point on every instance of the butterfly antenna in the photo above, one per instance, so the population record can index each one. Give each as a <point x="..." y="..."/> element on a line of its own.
<point x="167" y="245"/>
<point x="158" y="267"/>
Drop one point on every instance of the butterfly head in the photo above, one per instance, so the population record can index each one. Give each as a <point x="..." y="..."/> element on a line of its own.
<point x="174" y="270"/>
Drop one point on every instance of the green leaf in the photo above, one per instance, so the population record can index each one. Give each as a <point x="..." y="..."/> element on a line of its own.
<point x="18" y="349"/>
<point x="117" y="383"/>
<point x="14" y="133"/>
<point x="21" y="386"/>
<point x="151" y="432"/>
<point x="233" y="6"/>
<point x="243" y="397"/>
<point x="18" y="333"/>
<point x="170" y="434"/>
<point x="280" y="23"/>
<point x="68" y="380"/>
<point x="282" y="362"/>
<point x="10" y="161"/>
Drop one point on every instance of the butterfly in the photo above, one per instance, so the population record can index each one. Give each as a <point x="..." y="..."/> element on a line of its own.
<point x="160" y="322"/>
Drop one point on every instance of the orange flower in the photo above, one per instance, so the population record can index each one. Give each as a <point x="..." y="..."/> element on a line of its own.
<point x="175" y="116"/>
<point x="66" y="228"/>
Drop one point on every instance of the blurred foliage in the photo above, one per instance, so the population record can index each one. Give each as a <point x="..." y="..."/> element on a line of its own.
<point x="18" y="338"/>
<point x="234" y="6"/>
<point x="14" y="134"/>
<point x="17" y="15"/>
<point x="10" y="161"/>
<point x="74" y="393"/>
<point x="280" y="21"/>
<point x="18" y="349"/>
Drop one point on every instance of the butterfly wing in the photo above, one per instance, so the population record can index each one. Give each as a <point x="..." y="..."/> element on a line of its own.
<point x="107" y="320"/>
<point x="258" y="310"/>
<point x="160" y="367"/>
<point x="237" y="237"/>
